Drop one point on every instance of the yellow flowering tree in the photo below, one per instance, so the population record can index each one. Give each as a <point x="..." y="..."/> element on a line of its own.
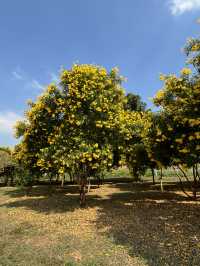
<point x="70" y="128"/>
<point x="179" y="100"/>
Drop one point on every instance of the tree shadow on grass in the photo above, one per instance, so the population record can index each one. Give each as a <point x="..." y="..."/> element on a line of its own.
<point x="59" y="200"/>
<point x="147" y="186"/>
<point x="160" y="228"/>
<point x="54" y="204"/>
<point x="44" y="199"/>
<point x="43" y="190"/>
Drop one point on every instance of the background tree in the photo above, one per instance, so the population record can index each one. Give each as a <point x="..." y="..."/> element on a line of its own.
<point x="131" y="145"/>
<point x="156" y="135"/>
<point x="134" y="103"/>
<point x="7" y="165"/>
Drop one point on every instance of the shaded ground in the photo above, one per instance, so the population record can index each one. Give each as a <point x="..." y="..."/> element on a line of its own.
<point x="122" y="224"/>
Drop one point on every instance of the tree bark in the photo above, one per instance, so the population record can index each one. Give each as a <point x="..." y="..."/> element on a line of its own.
<point x="89" y="185"/>
<point x="161" y="180"/>
<point x="153" y="175"/>
<point x="181" y="184"/>
<point x="62" y="181"/>
<point x="71" y="177"/>
<point x="82" y="189"/>
<point x="194" y="190"/>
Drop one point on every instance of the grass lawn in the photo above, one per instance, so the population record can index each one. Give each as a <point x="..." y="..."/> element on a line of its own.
<point x="122" y="224"/>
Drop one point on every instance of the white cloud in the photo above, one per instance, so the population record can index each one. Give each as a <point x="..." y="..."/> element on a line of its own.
<point x="7" y="121"/>
<point x="179" y="7"/>
<point x="36" y="85"/>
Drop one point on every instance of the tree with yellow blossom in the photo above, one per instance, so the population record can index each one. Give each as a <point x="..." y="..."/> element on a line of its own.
<point x="70" y="128"/>
<point x="179" y="99"/>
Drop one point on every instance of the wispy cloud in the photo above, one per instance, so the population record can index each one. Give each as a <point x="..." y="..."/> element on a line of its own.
<point x="29" y="82"/>
<point x="17" y="75"/>
<point x="36" y="84"/>
<point x="54" y="77"/>
<point x="7" y="121"/>
<point x="178" y="7"/>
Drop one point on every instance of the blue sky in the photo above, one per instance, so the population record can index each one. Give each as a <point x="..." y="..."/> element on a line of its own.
<point x="143" y="38"/>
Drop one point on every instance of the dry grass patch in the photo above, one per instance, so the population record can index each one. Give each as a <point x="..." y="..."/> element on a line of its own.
<point x="122" y="224"/>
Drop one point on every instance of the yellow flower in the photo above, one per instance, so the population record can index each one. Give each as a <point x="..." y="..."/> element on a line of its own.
<point x="96" y="156"/>
<point x="186" y="71"/>
<point x="179" y="141"/>
<point x="184" y="150"/>
<point x="98" y="109"/>
<point x="191" y="137"/>
<point x="160" y="94"/>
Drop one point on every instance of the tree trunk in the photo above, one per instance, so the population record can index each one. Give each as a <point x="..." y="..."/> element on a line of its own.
<point x="89" y="185"/>
<point x="161" y="180"/>
<point x="50" y="188"/>
<point x="62" y="181"/>
<point x="195" y="183"/>
<point x="116" y="157"/>
<point x="71" y="177"/>
<point x="197" y="172"/>
<point x="153" y="176"/>
<point x="50" y="178"/>
<point x="11" y="180"/>
<point x="82" y="188"/>
<point x="28" y="190"/>
<point x="99" y="181"/>
<point x="181" y="183"/>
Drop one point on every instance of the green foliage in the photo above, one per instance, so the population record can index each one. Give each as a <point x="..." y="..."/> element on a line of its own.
<point x="5" y="149"/>
<point x="7" y="165"/>
<point x="137" y="160"/>
<point x="155" y="136"/>
<point x="134" y="103"/>
<point x="5" y="158"/>
<point x="23" y="177"/>
<point x="20" y="128"/>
